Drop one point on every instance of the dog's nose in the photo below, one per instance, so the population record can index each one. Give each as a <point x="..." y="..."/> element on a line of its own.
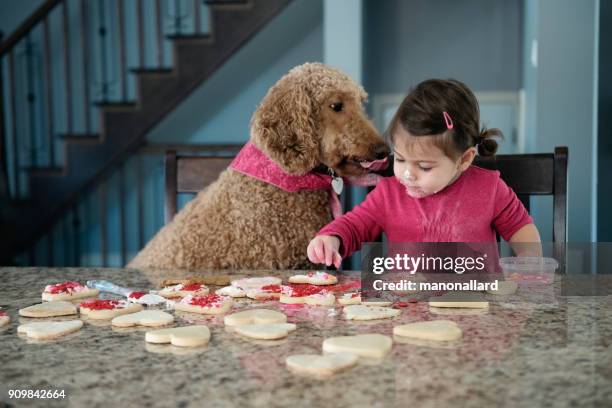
<point x="381" y="151"/>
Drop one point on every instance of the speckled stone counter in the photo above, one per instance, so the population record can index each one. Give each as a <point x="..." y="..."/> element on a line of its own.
<point x="555" y="354"/>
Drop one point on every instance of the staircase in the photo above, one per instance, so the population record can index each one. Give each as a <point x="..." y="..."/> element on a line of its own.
<point x="50" y="189"/>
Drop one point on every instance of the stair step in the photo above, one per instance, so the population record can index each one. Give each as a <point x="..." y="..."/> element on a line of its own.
<point x="116" y="106"/>
<point x="190" y="37"/>
<point x="228" y="2"/>
<point x="80" y="137"/>
<point x="45" y="171"/>
<point x="152" y="71"/>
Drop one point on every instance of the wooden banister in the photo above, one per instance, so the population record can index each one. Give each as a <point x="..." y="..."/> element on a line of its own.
<point x="28" y="25"/>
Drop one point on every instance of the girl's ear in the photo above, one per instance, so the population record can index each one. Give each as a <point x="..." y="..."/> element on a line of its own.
<point x="467" y="158"/>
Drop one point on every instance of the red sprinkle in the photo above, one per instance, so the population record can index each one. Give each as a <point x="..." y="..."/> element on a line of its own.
<point x="206" y="301"/>
<point x="100" y="304"/>
<point x="3" y="313"/>
<point x="302" y="290"/>
<point x="64" y="287"/>
<point x="192" y="287"/>
<point x="404" y="304"/>
<point x="271" y="288"/>
<point x="136" y="295"/>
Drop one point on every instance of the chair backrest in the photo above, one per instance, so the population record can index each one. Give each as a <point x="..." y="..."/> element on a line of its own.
<point x="189" y="174"/>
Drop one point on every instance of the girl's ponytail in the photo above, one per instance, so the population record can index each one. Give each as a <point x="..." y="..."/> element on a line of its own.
<point x="487" y="146"/>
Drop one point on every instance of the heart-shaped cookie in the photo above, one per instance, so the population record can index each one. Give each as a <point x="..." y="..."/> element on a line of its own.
<point x="255" y="283"/>
<point x="440" y="330"/>
<point x="315" y="278"/>
<point x="317" y="365"/>
<point x="107" y="309"/>
<point x="68" y="291"/>
<point x="49" y="309"/>
<point x="270" y="331"/>
<point x="184" y="289"/>
<point x="459" y="299"/>
<point x="362" y="312"/>
<point x="364" y="345"/>
<point x="231" y="291"/>
<point x="254" y="316"/>
<point x="49" y="330"/>
<point x="150" y="318"/>
<point x="209" y="304"/>
<point x="187" y="336"/>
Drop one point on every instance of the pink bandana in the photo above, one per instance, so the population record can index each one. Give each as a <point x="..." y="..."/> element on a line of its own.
<point x="254" y="163"/>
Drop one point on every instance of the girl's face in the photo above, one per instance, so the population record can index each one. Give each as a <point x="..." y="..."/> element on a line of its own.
<point x="422" y="167"/>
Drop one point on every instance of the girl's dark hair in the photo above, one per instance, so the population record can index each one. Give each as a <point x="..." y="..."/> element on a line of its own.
<point x="421" y="113"/>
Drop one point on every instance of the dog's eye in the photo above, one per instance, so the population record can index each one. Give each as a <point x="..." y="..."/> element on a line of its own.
<point x="337" y="106"/>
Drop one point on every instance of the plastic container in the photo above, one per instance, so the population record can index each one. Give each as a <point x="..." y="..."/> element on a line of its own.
<point x="529" y="269"/>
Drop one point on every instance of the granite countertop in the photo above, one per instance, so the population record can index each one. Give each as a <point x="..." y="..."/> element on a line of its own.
<point x="528" y="355"/>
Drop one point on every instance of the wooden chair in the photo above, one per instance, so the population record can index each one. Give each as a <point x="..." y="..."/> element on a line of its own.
<point x="535" y="175"/>
<point x="190" y="174"/>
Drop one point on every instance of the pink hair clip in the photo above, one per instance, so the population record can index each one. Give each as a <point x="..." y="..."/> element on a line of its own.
<point x="448" y="120"/>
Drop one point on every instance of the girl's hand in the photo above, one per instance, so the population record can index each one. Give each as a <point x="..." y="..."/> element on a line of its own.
<point x="324" y="250"/>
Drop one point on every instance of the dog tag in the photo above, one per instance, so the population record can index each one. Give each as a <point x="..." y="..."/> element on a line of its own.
<point x="337" y="185"/>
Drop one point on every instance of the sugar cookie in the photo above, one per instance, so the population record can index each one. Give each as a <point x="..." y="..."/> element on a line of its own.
<point x="49" y="309"/>
<point x="147" y="299"/>
<point x="231" y="291"/>
<point x="49" y="330"/>
<point x="209" y="304"/>
<point x="107" y="309"/>
<point x="267" y="331"/>
<point x="353" y="298"/>
<point x="184" y="289"/>
<point x="440" y="330"/>
<point x="326" y="365"/>
<point x="268" y="292"/>
<point x="4" y="318"/>
<point x="504" y="288"/>
<point x="254" y="316"/>
<point x="306" y="293"/>
<point x="255" y="283"/>
<point x="364" y="345"/>
<point x="150" y="318"/>
<point x="363" y="312"/>
<point x="68" y="291"/>
<point x="187" y="336"/>
<point x="459" y="299"/>
<point x="314" y="278"/>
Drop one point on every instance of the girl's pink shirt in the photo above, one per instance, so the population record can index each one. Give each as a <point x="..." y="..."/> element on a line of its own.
<point x="472" y="209"/>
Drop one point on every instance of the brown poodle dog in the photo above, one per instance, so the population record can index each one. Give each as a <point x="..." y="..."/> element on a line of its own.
<point x="312" y="118"/>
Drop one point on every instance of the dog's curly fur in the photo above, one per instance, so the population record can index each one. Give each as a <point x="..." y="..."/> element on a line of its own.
<point x="240" y="222"/>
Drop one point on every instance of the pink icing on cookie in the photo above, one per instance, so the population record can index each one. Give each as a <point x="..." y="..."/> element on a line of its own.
<point x="212" y="300"/>
<point x="103" y="304"/>
<point x="64" y="287"/>
<point x="192" y="287"/>
<point x="301" y="290"/>
<point x="136" y="295"/>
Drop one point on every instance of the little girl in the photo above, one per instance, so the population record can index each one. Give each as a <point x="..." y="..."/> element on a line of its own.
<point x="436" y="194"/>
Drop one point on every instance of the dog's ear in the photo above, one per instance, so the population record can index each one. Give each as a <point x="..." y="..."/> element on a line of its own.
<point x="284" y="128"/>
